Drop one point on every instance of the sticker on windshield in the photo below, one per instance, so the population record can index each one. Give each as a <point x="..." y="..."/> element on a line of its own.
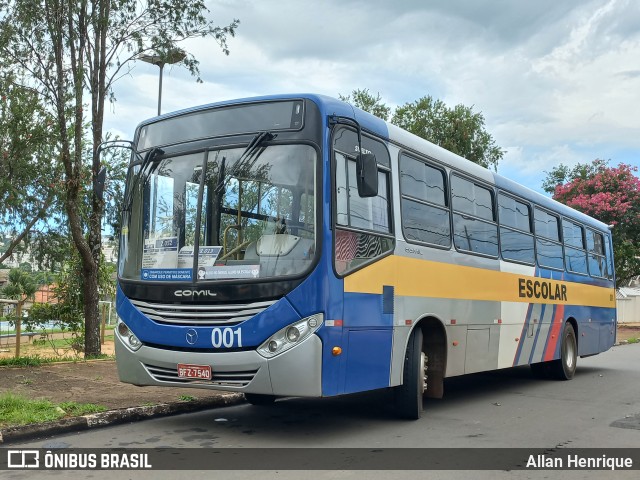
<point x="166" y="274"/>
<point x="229" y="271"/>
<point x="160" y="259"/>
<point x="207" y="256"/>
<point x="160" y="253"/>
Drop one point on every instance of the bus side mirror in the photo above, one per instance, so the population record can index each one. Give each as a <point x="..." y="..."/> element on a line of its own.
<point x="367" y="175"/>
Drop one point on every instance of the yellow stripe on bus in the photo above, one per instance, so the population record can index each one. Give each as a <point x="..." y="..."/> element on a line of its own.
<point x="424" y="278"/>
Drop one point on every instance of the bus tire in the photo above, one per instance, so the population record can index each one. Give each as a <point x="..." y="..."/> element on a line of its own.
<point x="409" y="395"/>
<point x="565" y="367"/>
<point x="259" y="399"/>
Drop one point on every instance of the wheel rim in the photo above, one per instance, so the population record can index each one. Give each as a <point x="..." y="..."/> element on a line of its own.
<point x="423" y="370"/>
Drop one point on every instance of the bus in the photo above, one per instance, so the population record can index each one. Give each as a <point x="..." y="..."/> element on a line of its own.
<point x="295" y="245"/>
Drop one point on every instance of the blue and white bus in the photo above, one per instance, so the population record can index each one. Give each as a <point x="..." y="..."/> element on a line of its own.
<point x="294" y="245"/>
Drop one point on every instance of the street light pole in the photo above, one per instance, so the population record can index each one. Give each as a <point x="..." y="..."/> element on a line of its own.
<point x="172" y="57"/>
<point x="161" y="65"/>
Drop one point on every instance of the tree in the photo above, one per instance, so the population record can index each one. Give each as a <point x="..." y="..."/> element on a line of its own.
<point x="117" y="161"/>
<point x="367" y="102"/>
<point x="610" y="194"/>
<point x="74" y="52"/>
<point x="459" y="129"/>
<point x="21" y="288"/>
<point x="28" y="177"/>
<point x="563" y="174"/>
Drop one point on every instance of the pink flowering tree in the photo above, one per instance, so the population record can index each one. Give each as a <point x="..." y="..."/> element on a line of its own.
<point x="610" y="194"/>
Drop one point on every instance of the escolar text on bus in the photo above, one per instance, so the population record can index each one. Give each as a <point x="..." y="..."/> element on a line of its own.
<point x="528" y="288"/>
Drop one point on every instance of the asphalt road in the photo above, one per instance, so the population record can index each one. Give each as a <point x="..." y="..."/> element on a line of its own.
<point x="599" y="408"/>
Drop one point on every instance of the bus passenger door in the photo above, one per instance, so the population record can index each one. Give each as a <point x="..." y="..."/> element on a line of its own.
<point x="368" y="336"/>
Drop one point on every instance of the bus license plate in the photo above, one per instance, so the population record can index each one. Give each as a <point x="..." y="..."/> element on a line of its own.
<point x="202" y="372"/>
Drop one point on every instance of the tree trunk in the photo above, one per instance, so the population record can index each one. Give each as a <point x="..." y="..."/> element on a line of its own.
<point x="91" y="314"/>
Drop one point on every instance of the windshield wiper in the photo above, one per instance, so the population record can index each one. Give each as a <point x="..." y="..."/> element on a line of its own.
<point x="149" y="158"/>
<point x="248" y="153"/>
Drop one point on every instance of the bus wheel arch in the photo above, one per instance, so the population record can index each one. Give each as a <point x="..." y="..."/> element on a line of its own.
<point x="424" y="367"/>
<point x="434" y="344"/>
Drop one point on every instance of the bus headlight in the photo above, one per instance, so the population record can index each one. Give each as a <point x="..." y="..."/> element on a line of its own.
<point x="290" y="336"/>
<point x="127" y="336"/>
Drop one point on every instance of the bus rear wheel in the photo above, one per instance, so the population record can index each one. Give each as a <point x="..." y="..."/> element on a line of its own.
<point x="409" y="395"/>
<point x="565" y="367"/>
<point x="259" y="399"/>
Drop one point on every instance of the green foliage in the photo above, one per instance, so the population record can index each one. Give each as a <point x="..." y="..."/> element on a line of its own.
<point x="563" y="174"/>
<point x="20" y="285"/>
<point x="459" y="129"/>
<point x="47" y="318"/>
<point x="28" y="178"/>
<point x="364" y="100"/>
<point x="116" y="160"/>
<point x="67" y="316"/>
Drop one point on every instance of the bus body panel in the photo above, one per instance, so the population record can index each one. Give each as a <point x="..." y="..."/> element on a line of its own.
<point x="250" y="333"/>
<point x="295" y="372"/>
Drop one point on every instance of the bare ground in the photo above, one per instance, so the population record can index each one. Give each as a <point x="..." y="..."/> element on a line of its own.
<point x="86" y="382"/>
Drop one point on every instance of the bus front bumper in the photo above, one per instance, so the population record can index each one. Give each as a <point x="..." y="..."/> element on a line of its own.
<point x="296" y="372"/>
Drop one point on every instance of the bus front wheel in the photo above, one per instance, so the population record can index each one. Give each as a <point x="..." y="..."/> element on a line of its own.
<point x="259" y="399"/>
<point x="409" y="395"/>
<point x="565" y="367"/>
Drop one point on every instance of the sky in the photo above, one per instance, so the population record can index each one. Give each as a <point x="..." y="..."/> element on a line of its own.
<point x="556" y="81"/>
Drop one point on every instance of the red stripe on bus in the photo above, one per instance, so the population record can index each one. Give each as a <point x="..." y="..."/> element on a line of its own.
<point x="556" y="329"/>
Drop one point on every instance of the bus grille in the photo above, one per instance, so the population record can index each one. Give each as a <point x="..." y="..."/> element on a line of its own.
<point x="201" y="315"/>
<point x="219" y="379"/>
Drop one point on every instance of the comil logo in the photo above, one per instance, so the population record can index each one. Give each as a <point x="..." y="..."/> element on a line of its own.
<point x="194" y="293"/>
<point x="23" y="459"/>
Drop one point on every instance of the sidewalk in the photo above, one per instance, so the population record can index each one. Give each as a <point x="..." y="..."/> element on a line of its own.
<point x="97" y="382"/>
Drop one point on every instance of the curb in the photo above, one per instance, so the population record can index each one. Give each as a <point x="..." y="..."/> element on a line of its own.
<point x="114" y="417"/>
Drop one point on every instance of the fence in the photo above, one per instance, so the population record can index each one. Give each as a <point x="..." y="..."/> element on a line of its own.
<point x="628" y="302"/>
<point x="9" y="330"/>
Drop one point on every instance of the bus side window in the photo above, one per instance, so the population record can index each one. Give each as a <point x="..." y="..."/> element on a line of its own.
<point x="354" y="248"/>
<point x="575" y="255"/>
<point x="548" y="246"/>
<point x="474" y="227"/>
<point x="425" y="212"/>
<point x="608" y="253"/>
<point x="516" y="236"/>
<point x="595" y="247"/>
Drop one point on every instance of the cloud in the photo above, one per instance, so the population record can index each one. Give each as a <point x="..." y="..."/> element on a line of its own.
<point x="555" y="81"/>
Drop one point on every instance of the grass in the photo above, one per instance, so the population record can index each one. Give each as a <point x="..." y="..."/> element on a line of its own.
<point x="186" y="398"/>
<point x="30" y="361"/>
<point x="37" y="360"/>
<point x="18" y="410"/>
<point x="62" y="342"/>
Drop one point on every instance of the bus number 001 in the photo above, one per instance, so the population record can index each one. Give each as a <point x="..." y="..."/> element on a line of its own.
<point x="224" y="337"/>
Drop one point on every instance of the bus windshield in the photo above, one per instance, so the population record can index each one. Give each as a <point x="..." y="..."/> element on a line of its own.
<point x="243" y="215"/>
